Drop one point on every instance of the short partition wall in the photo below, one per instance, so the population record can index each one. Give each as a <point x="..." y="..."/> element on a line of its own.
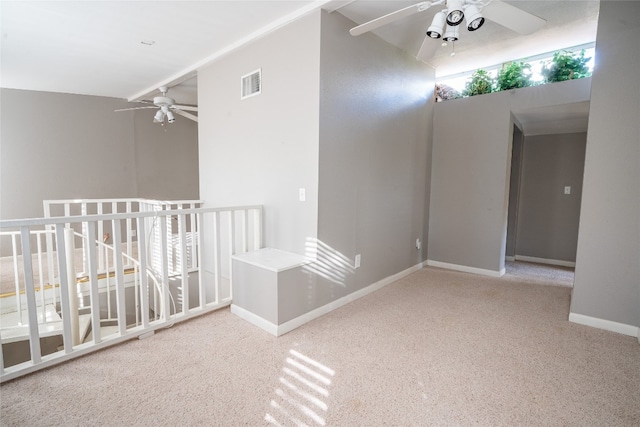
<point x="268" y="291"/>
<point x="266" y="287"/>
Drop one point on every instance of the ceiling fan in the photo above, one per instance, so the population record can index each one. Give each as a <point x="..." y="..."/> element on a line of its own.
<point x="166" y="107"/>
<point x="445" y="23"/>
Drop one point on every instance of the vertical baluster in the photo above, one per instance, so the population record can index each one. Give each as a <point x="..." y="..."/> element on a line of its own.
<point x="32" y="315"/>
<point x="72" y="283"/>
<point x="193" y="230"/>
<point x="67" y="213"/>
<point x="119" y="273"/>
<point x="130" y="233"/>
<point x="182" y="234"/>
<point x="65" y="293"/>
<point x="165" y="268"/>
<point x="217" y="256"/>
<point x="104" y="248"/>
<point x="232" y="241"/>
<point x="1" y="359"/>
<point x="232" y="233"/>
<point x="257" y="228"/>
<point x="136" y="290"/>
<point x="244" y="230"/>
<point x="102" y="264"/>
<point x="16" y="276"/>
<point x="50" y="272"/>
<point x="170" y="246"/>
<point x="114" y="210"/>
<point x="201" y="289"/>
<point x="144" y="279"/>
<point x="41" y="277"/>
<point x="93" y="281"/>
<point x="85" y="241"/>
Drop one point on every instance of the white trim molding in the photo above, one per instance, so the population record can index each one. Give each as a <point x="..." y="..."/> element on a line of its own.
<point x="466" y="269"/>
<point x="607" y="325"/>
<point x="277" y="330"/>
<point x="255" y="319"/>
<point x="537" y="260"/>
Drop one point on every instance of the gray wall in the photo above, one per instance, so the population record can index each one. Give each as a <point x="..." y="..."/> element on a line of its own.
<point x="376" y="108"/>
<point x="472" y="141"/>
<point x="166" y="158"/>
<point x="607" y="282"/>
<point x="548" y="219"/>
<point x="64" y="146"/>
<point x="59" y="146"/>
<point x="347" y="118"/>
<point x="263" y="149"/>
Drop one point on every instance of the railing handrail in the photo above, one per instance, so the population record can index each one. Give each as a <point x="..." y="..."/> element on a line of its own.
<point x="13" y="223"/>
<point x="124" y="200"/>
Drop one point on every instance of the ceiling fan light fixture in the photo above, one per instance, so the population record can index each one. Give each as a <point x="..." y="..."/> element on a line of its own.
<point x="436" y="28"/>
<point x="474" y="18"/>
<point x="170" y="117"/>
<point x="455" y="15"/>
<point x="159" y="117"/>
<point x="451" y="34"/>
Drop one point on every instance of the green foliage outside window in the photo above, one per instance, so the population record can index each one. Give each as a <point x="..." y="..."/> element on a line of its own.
<point x="481" y="82"/>
<point x="514" y="75"/>
<point x="566" y="65"/>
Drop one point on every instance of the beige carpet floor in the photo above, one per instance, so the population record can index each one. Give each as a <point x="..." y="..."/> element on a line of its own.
<point x="437" y="348"/>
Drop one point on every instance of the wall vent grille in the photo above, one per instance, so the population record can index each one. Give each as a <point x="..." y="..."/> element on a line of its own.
<point x="251" y="84"/>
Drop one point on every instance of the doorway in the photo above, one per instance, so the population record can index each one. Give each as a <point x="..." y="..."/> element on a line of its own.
<point x="547" y="166"/>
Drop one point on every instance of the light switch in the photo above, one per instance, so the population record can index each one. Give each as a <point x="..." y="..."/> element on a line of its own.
<point x="567" y="189"/>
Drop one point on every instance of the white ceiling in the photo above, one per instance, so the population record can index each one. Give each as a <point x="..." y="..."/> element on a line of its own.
<point x="96" y="47"/>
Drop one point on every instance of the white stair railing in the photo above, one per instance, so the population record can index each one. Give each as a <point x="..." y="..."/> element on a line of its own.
<point x="128" y="291"/>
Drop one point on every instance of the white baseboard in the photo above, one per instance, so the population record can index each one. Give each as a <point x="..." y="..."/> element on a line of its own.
<point x="545" y="261"/>
<point x="607" y="325"/>
<point x="292" y="324"/>
<point x="255" y="319"/>
<point x="466" y="269"/>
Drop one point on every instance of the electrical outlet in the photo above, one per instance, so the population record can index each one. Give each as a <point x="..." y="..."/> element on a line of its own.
<point x="134" y="233"/>
<point x="357" y="261"/>
<point x="302" y="194"/>
<point x="567" y="189"/>
<point x="418" y="244"/>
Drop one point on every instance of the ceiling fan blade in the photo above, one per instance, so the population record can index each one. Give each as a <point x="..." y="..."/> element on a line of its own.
<point x="184" y="107"/>
<point x="187" y="115"/>
<point x="512" y="18"/>
<point x="387" y="19"/>
<point x="135" y="108"/>
<point x="428" y="48"/>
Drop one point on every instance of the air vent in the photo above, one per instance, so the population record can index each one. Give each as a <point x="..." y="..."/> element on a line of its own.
<point x="251" y="84"/>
